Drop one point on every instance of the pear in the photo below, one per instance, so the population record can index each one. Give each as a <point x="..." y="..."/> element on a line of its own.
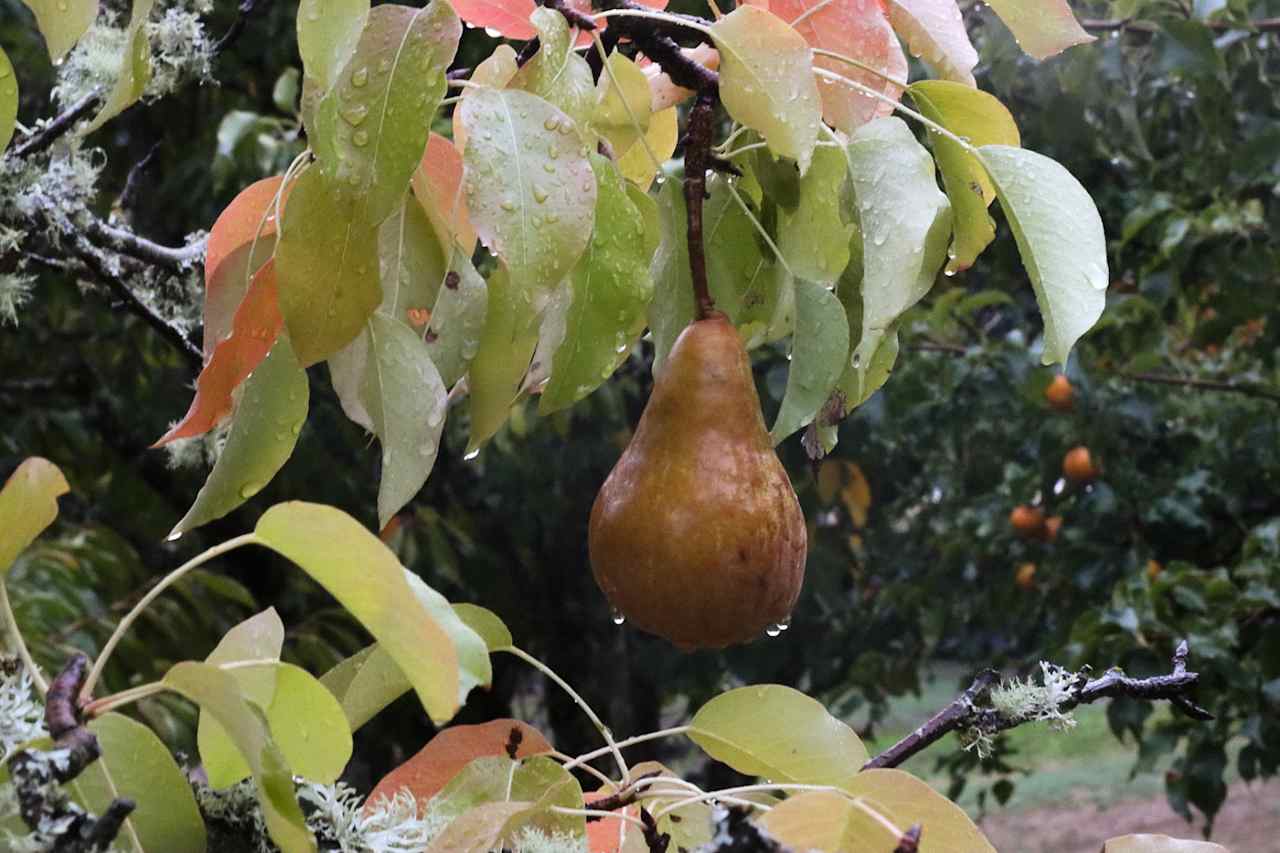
<point x="697" y="535"/>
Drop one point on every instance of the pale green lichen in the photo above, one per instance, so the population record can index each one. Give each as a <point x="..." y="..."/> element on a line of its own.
<point x="21" y="711"/>
<point x="15" y="291"/>
<point x="1020" y="700"/>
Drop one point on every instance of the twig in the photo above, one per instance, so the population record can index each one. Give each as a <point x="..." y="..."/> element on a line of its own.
<point x="47" y="135"/>
<point x="125" y="242"/>
<point x="1094" y="25"/>
<point x="657" y="842"/>
<point x="243" y="13"/>
<point x="572" y="15"/>
<point x="697" y="156"/>
<point x="964" y="712"/>
<point x="622" y="798"/>
<point x="910" y="841"/>
<point x="1203" y="384"/>
<point x="133" y="183"/>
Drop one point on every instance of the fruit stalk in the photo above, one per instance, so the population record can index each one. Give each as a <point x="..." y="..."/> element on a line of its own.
<point x="697" y="159"/>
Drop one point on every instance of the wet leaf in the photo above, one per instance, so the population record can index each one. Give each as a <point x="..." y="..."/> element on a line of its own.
<point x="509" y="18"/>
<point x="854" y="28"/>
<point x="264" y="430"/>
<point x="672" y="306"/>
<point x="135" y="67"/>
<point x="1042" y="29"/>
<point x="506" y="347"/>
<point x="255" y="330"/>
<point x="62" y="23"/>
<point x="326" y="543"/>
<point x="1060" y="239"/>
<point x="326" y="269"/>
<point x="241" y="240"/>
<point x="623" y="104"/>
<point x="411" y="265"/>
<point x="28" y="504"/>
<point x="611" y="289"/>
<point x="437" y="185"/>
<point x="779" y="733"/>
<point x="819" y="353"/>
<point x="8" y="100"/>
<point x="530" y="189"/>
<point x="981" y="119"/>
<point x="458" y="319"/>
<point x="934" y="30"/>
<point x="556" y="73"/>
<point x="328" y="31"/>
<point x="636" y="164"/>
<point x="766" y="81"/>
<point x="495" y="71"/>
<point x="445" y="755"/>
<point x="218" y="694"/>
<point x="814" y="237"/>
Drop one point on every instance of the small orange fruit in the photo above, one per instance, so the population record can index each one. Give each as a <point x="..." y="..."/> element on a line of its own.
<point x="1052" y="525"/>
<point x="1059" y="393"/>
<point x="1078" y="466"/>
<point x="1025" y="577"/>
<point x="1154" y="569"/>
<point x="1027" y="520"/>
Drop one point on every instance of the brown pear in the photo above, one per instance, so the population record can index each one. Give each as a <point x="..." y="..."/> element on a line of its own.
<point x="697" y="535"/>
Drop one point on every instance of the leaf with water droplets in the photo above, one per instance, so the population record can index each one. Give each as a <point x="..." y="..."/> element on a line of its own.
<point x="557" y="74"/>
<point x="62" y="23"/>
<point x="510" y="18"/>
<point x="242" y="239"/>
<point x="858" y="29"/>
<point x="328" y="31"/>
<point x="8" y="101"/>
<point x="1060" y="239"/>
<point x="611" y="289"/>
<point x="934" y="30"/>
<point x="254" y="331"/>
<point x="28" y="504"/>
<point x="638" y="163"/>
<point x="458" y="319"/>
<point x="814" y="237"/>
<point x="371" y="128"/>
<point x="437" y="185"/>
<point x="819" y="352"/>
<point x="766" y="80"/>
<point x="411" y="265"/>
<point x="326" y="267"/>
<point x="1041" y="29"/>
<point x="135" y="68"/>
<point x="981" y="119"/>
<point x="494" y="71"/>
<point x="672" y="306"/>
<point x="501" y="360"/>
<point x="264" y="430"/>
<point x="531" y="194"/>
<point x="905" y="223"/>
<point x="219" y="694"/>
<point x="623" y="104"/>
<point x="779" y="733"/>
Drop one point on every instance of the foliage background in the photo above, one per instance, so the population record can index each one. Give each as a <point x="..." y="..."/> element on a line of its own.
<point x="1173" y="128"/>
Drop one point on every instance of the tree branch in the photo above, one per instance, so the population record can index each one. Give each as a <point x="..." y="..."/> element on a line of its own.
<point x="697" y="158"/>
<point x="1255" y="391"/>
<point x="125" y="242"/>
<point x="1094" y="25"/>
<point x="965" y="711"/>
<point x="47" y="135"/>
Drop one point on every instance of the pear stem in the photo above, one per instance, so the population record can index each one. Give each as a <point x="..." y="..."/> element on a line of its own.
<point x="697" y="158"/>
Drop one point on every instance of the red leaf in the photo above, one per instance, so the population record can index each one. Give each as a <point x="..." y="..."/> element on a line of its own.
<point x="437" y="184"/>
<point x="510" y="18"/>
<point x="254" y="330"/>
<point x="858" y="29"/>
<point x="232" y="235"/>
<point x="444" y="756"/>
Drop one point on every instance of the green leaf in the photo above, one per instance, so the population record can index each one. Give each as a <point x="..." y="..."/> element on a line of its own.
<point x="1060" y="239"/>
<point x="831" y="822"/>
<point x="326" y="268"/>
<point x="506" y="346"/>
<point x="365" y="683"/>
<point x="260" y="637"/>
<point x="135" y="68"/>
<point x="779" y="733"/>
<point x="62" y="23"/>
<point x="767" y="82"/>
<point x="328" y="31"/>
<point x="611" y="289"/>
<point x="407" y="402"/>
<point x="474" y="668"/>
<point x="623" y="104"/>
<point x="8" y="100"/>
<point x="486" y="623"/>
<point x="264" y="429"/>
<point x="818" y="356"/>
<point x="1041" y="29"/>
<point x="905" y="225"/>
<point x="1159" y="844"/>
<point x="136" y="764"/>
<point x="28" y="504"/>
<point x="672" y="306"/>
<point x="530" y="189"/>
<point x="458" y="319"/>
<point x="980" y="118"/>
<point x="371" y="127"/>
<point x="218" y="693"/>
<point x="814" y="237"/>
<point x="535" y="784"/>
<point x="908" y="801"/>
<point x="935" y="32"/>
<point x="556" y="73"/>
<point x="326" y="543"/>
<point x="412" y="264"/>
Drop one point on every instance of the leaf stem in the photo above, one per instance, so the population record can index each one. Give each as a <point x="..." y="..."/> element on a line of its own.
<point x="98" y="707"/>
<point x="623" y="744"/>
<point x="597" y="813"/>
<point x="927" y="122"/>
<point x="86" y="693"/>
<point x="18" y="643"/>
<point x="818" y="51"/>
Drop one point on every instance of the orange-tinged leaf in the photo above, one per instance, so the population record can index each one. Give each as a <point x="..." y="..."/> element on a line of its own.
<point x="249" y="215"/>
<point x="831" y="822"/>
<point x="444" y="756"/>
<point x="28" y="504"/>
<point x="254" y="330"/>
<point x="510" y="18"/>
<point x="854" y="28"/>
<point x="437" y="184"/>
<point x="935" y="32"/>
<point x="1041" y="29"/>
<point x="607" y="835"/>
